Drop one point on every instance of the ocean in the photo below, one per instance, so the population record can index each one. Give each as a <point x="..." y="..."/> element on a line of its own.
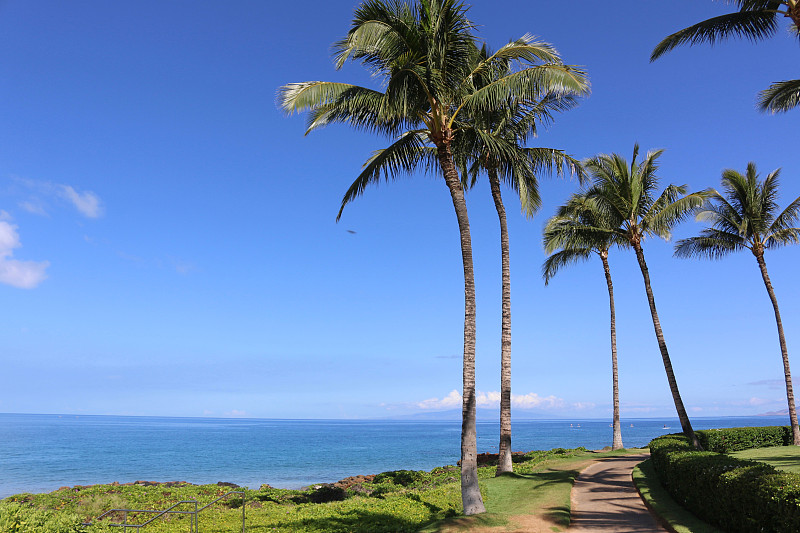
<point x="40" y="453"/>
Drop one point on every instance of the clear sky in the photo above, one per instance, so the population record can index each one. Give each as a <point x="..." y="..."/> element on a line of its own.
<point x="168" y="243"/>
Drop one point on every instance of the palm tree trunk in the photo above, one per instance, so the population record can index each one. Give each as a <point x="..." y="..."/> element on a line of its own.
<point x="662" y="345"/>
<point x="504" y="462"/>
<point x="787" y="374"/>
<point x="470" y="490"/>
<point x="617" y="432"/>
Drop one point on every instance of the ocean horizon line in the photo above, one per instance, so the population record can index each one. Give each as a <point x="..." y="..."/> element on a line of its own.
<point x="446" y="416"/>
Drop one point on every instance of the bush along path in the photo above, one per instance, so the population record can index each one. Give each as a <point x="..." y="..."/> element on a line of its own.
<point x="733" y="494"/>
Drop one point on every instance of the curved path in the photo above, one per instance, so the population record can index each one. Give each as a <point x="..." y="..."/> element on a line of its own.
<point x="605" y="500"/>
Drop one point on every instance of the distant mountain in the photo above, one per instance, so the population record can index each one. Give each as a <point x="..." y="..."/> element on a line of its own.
<point x="785" y="412"/>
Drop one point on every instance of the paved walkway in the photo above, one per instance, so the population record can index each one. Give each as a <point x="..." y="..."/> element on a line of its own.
<point x="605" y="500"/>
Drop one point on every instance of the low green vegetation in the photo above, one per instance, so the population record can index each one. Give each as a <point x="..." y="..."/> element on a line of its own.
<point x="391" y="502"/>
<point x="729" y="492"/>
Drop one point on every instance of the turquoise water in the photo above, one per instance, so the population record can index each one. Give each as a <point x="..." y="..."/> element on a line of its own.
<point x="40" y="453"/>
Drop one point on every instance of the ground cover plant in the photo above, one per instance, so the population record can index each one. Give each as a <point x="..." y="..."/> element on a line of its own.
<point x="399" y="501"/>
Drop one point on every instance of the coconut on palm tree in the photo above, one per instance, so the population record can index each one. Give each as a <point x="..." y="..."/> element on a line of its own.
<point x="626" y="196"/>
<point x="492" y="142"/>
<point x="746" y="216"/>
<point x="755" y="20"/>
<point x="423" y="53"/>
<point x="578" y="231"/>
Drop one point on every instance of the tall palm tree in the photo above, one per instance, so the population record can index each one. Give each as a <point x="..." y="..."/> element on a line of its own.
<point x="493" y="143"/>
<point x="755" y="20"/>
<point x="571" y="236"/>
<point x="423" y="52"/>
<point x="625" y="194"/>
<point x="746" y="217"/>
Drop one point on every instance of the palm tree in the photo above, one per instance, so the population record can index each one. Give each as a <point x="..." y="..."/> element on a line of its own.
<point x="571" y="236"/>
<point x="625" y="195"/>
<point x="424" y="52"/>
<point x="493" y="143"/>
<point x="745" y="217"/>
<point x="755" y="20"/>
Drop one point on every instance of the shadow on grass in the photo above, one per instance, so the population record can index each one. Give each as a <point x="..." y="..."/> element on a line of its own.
<point x="465" y="523"/>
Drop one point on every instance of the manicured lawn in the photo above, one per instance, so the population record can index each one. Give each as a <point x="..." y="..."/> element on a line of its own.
<point x="785" y="458"/>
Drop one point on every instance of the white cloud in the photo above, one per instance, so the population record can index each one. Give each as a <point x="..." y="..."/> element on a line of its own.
<point x="20" y="274"/>
<point x="492" y="400"/>
<point x="34" y="206"/>
<point x="451" y="400"/>
<point x="758" y="401"/>
<point x="87" y="202"/>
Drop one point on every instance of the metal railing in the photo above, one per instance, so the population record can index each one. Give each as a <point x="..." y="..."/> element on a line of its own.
<point x="193" y="522"/>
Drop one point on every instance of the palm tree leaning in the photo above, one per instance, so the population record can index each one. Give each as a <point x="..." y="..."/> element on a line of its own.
<point x="624" y="194"/>
<point x="423" y="52"/>
<point x="493" y="143"/>
<point x="746" y="217"/>
<point x="571" y="236"/>
<point x="755" y="20"/>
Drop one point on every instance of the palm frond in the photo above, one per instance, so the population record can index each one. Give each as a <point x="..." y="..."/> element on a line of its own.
<point x="780" y="97"/>
<point x="401" y="157"/>
<point x="787" y="218"/>
<point x="711" y="244"/>
<point x="753" y="24"/>
<point x="297" y="97"/>
<point x="529" y="84"/>
<point x="563" y="258"/>
<point x="672" y="207"/>
<point x="783" y="237"/>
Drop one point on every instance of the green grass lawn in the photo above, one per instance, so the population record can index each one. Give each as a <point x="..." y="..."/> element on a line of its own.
<point x="785" y="458"/>
<point x="538" y="493"/>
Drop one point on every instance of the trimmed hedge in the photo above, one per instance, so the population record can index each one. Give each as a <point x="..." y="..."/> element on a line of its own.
<point x="734" y="494"/>
<point x="734" y="439"/>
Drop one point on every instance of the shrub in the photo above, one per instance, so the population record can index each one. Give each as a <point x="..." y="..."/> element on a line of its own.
<point x="735" y="494"/>
<point x="400" y="477"/>
<point x="728" y="440"/>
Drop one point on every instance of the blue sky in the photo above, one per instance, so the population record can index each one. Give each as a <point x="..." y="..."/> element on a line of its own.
<point x="168" y="243"/>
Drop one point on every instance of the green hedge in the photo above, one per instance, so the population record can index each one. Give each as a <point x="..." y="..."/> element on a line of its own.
<point x="734" y="439"/>
<point x="734" y="494"/>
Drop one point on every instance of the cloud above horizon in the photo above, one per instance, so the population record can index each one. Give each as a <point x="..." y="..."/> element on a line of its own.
<point x="87" y="203"/>
<point x="20" y="274"/>
<point x="492" y="400"/>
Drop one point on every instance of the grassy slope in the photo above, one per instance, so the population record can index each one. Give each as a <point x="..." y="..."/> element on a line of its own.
<point x="781" y="457"/>
<point x="538" y="493"/>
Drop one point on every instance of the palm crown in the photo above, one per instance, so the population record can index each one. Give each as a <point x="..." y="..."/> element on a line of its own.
<point x="625" y="194"/>
<point x="578" y="230"/>
<point x="745" y="216"/>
